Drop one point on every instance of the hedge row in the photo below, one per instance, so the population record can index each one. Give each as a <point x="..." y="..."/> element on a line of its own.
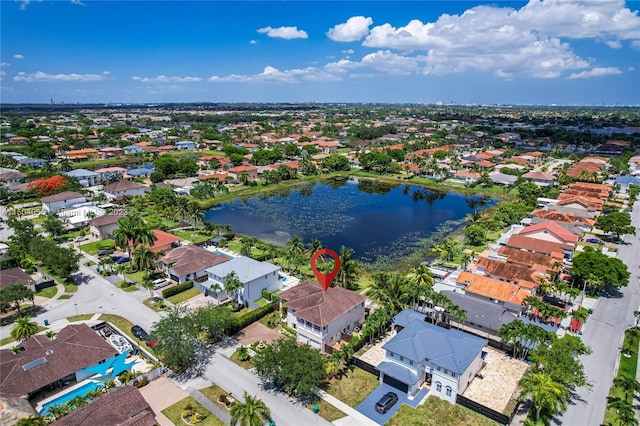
<point x="172" y="291"/>
<point x="252" y="316"/>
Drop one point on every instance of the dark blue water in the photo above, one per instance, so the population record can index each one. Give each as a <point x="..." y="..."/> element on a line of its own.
<point x="376" y="220"/>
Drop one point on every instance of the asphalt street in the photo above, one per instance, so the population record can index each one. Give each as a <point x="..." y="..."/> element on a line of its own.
<point x="603" y="334"/>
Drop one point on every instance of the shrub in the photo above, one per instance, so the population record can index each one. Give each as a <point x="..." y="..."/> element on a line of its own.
<point x="266" y="294"/>
<point x="142" y="382"/>
<point x="172" y="291"/>
<point x="252" y="316"/>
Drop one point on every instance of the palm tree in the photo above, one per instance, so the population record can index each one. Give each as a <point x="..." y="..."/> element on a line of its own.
<point x="124" y="234"/>
<point x="232" y="285"/>
<point x="421" y="275"/>
<point x="143" y="259"/>
<point x="314" y="246"/>
<point x="23" y="328"/>
<point x="629" y="385"/>
<point x="391" y="291"/>
<point x="251" y="412"/>
<point x="349" y="269"/>
<point x="195" y="212"/>
<point x="548" y="397"/>
<point x="295" y="244"/>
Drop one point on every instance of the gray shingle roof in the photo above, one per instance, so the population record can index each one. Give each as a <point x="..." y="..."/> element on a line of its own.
<point x="450" y="349"/>
<point x="397" y="371"/>
<point x="246" y="268"/>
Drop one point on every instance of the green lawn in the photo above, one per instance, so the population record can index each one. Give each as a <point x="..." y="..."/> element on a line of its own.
<point x="83" y="317"/>
<point x="192" y="236"/>
<point x="244" y="364"/>
<point x="353" y="387"/>
<point x="92" y="248"/>
<point x="185" y="295"/>
<point x="154" y="306"/>
<point x="136" y="276"/>
<point x="627" y="368"/>
<point x="173" y="413"/>
<point x="213" y="393"/>
<point x="6" y="340"/>
<point x="437" y="412"/>
<point x="48" y="292"/>
<point x="70" y="287"/>
<point x="326" y="410"/>
<point x="128" y="289"/>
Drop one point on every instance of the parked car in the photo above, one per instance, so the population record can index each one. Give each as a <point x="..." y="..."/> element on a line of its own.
<point x="151" y="341"/>
<point x="387" y="401"/>
<point x="79" y="239"/>
<point x="139" y="332"/>
<point x="593" y="240"/>
<point x="160" y="282"/>
<point x="104" y="251"/>
<point x="122" y="260"/>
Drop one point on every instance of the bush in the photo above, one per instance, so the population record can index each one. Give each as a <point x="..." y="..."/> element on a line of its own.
<point x="172" y="291"/>
<point x="142" y="382"/>
<point x="252" y="316"/>
<point x="125" y="284"/>
<point x="266" y="294"/>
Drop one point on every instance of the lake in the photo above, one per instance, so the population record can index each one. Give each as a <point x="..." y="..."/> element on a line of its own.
<point x="383" y="223"/>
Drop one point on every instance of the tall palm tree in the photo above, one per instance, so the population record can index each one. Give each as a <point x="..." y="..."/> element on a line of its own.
<point x="548" y="397"/>
<point x="143" y="259"/>
<point x="23" y="328"/>
<point x="349" y="269"/>
<point x="125" y="232"/>
<point x="295" y="244"/>
<point x="314" y="246"/>
<point x="251" y="412"/>
<point x="232" y="285"/>
<point x="421" y="275"/>
<point x="195" y="212"/>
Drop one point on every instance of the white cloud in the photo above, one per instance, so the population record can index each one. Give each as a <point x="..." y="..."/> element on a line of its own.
<point x="391" y="63"/>
<point x="354" y="29"/>
<point x="284" y="32"/>
<point x="510" y="42"/>
<point x="272" y="74"/>
<point x="165" y="79"/>
<point x="2" y="71"/>
<point x="18" y="56"/>
<point x="78" y="2"/>
<point x="44" y="77"/>
<point x="348" y="51"/>
<point x="25" y="3"/>
<point x="596" y="72"/>
<point x="253" y="42"/>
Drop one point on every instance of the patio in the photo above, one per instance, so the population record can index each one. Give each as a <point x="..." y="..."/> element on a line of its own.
<point x="500" y="377"/>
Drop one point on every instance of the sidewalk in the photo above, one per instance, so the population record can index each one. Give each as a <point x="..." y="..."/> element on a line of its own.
<point x="353" y="416"/>
<point x="209" y="405"/>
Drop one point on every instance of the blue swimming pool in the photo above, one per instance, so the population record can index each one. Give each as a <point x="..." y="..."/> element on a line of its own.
<point x="80" y="391"/>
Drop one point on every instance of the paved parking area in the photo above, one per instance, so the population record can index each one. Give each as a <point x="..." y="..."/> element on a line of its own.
<point x="367" y="407"/>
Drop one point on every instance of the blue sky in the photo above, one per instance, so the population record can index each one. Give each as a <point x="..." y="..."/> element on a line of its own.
<point x="538" y="52"/>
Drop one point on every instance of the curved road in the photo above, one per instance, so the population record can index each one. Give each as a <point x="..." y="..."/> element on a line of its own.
<point x="603" y="334"/>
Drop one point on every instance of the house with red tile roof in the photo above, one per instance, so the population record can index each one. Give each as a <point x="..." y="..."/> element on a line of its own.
<point x="321" y="317"/>
<point x="237" y="171"/>
<point x="491" y="289"/>
<point x="123" y="406"/>
<point x="540" y="178"/>
<point x="550" y="231"/>
<point x="534" y="245"/>
<point x="578" y="202"/>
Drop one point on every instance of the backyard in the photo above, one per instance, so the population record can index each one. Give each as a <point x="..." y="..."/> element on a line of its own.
<point x="353" y="387"/>
<point x="436" y="412"/>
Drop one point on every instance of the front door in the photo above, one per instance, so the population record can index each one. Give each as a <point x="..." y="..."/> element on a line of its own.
<point x="427" y="379"/>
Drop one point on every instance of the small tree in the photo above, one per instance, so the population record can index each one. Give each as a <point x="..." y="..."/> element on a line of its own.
<point x="251" y="412"/>
<point x="233" y="285"/>
<point x="23" y="328"/>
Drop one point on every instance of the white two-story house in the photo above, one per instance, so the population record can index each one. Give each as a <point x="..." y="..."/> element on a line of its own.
<point x="63" y="200"/>
<point x="320" y="317"/>
<point x="446" y="359"/>
<point x="122" y="188"/>
<point x="254" y="275"/>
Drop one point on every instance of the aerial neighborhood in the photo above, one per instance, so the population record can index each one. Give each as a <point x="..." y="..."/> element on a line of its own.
<point x="156" y="264"/>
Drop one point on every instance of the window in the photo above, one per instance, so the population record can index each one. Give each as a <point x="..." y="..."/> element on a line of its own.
<point x="448" y="391"/>
<point x="401" y="358"/>
<point x="438" y="387"/>
<point x="410" y="362"/>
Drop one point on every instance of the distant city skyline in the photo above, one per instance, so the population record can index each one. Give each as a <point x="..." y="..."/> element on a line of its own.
<point x="541" y="52"/>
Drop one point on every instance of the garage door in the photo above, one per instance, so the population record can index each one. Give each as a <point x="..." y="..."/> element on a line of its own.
<point x="403" y="387"/>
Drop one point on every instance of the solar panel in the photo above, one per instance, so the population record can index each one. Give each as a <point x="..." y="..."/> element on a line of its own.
<point x="28" y="366"/>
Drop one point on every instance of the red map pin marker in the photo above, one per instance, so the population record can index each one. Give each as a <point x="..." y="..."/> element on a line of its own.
<point x="325" y="280"/>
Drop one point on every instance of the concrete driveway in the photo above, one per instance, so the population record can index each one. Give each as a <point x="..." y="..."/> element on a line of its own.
<point x="367" y="407"/>
<point x="257" y="331"/>
<point x="160" y="394"/>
